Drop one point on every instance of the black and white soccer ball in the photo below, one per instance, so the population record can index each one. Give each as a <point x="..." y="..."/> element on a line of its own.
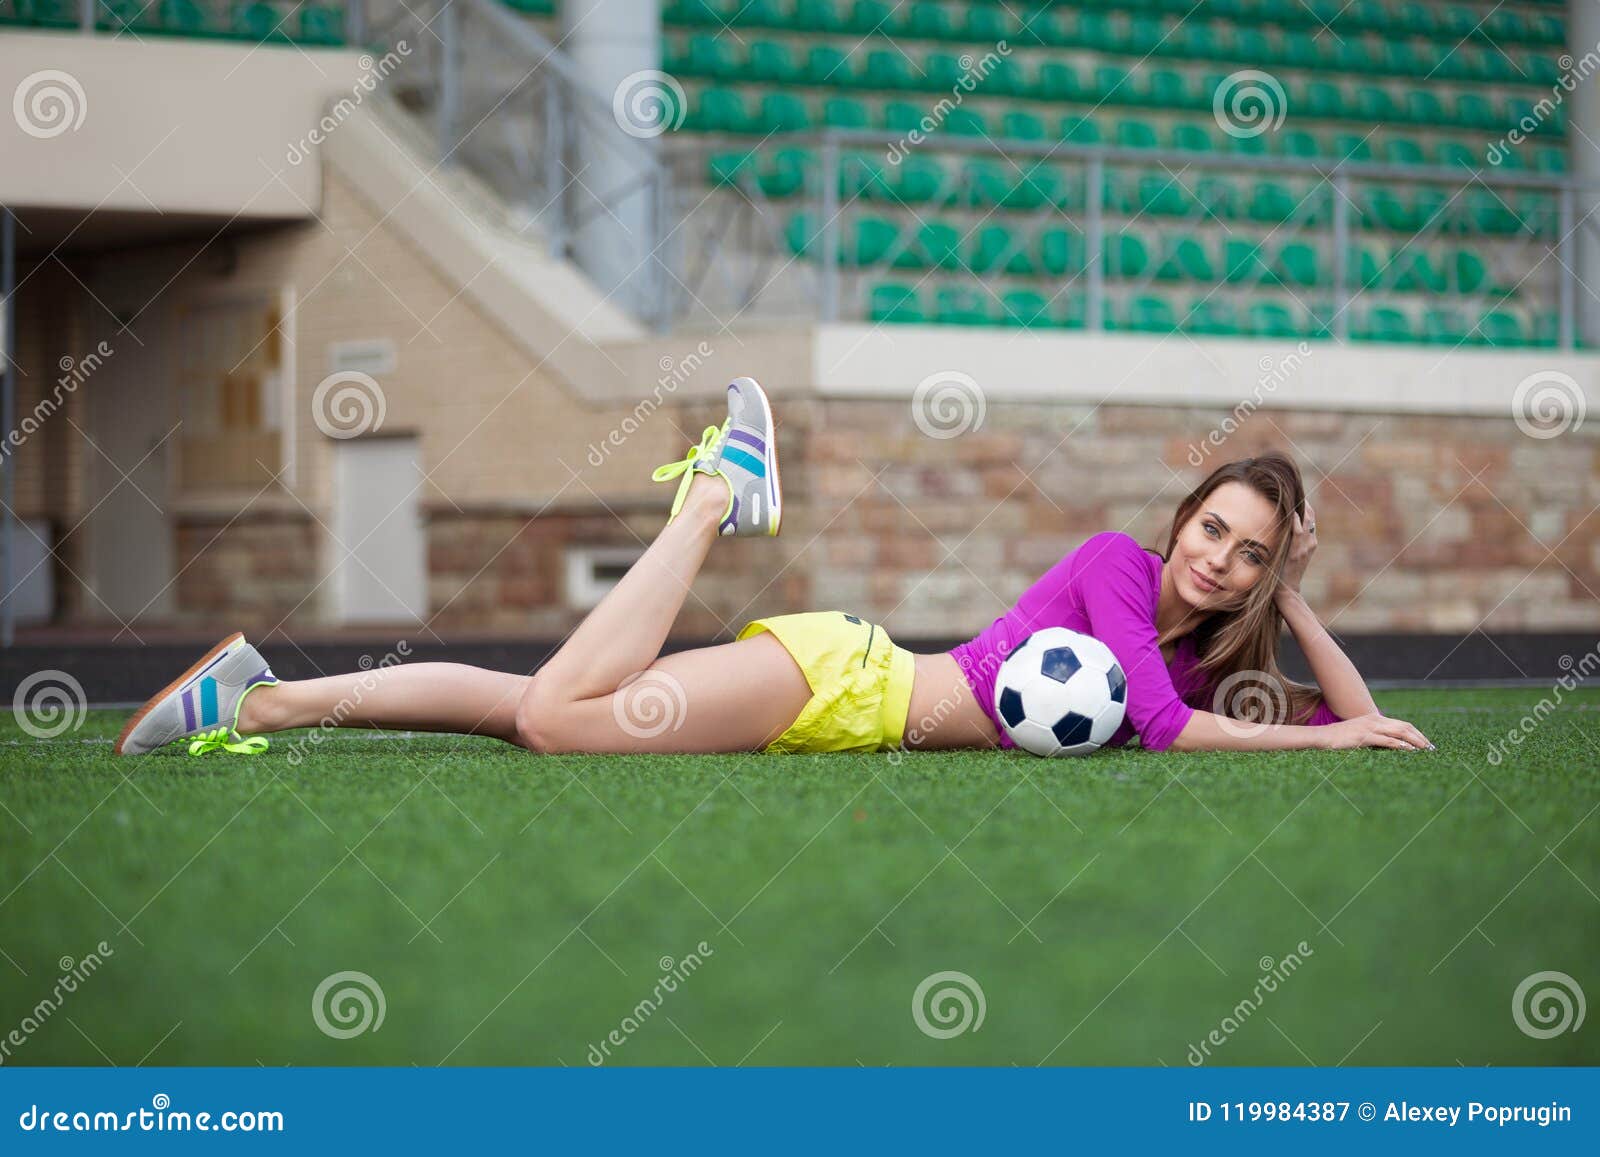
<point x="1060" y="692"/>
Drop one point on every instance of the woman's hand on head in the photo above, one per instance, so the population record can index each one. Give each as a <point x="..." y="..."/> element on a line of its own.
<point x="1302" y="546"/>
<point x="1373" y="730"/>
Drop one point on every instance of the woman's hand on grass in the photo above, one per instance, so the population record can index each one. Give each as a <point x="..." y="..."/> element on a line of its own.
<point x="1373" y="730"/>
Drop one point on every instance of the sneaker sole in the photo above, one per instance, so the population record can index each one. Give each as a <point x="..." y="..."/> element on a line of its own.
<point x="150" y="704"/>
<point x="770" y="433"/>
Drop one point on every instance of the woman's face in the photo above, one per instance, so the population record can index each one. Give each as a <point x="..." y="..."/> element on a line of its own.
<point x="1225" y="548"/>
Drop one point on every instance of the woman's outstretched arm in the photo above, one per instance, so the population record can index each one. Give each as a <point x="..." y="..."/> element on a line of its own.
<point x="1206" y="731"/>
<point x="1342" y="686"/>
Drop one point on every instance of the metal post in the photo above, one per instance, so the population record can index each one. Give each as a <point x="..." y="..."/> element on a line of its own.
<point x="449" y="111"/>
<point x="555" y="164"/>
<point x="8" y="407"/>
<point x="1341" y="256"/>
<point x="829" y="236"/>
<point x="355" y="22"/>
<point x="1569" y="265"/>
<point x="1095" y="242"/>
<point x="660" y="201"/>
<point x="86" y="17"/>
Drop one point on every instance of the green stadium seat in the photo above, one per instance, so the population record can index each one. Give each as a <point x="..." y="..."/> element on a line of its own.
<point x="873" y="240"/>
<point x="1026" y="308"/>
<point x="761" y="14"/>
<point x="1488" y="212"/>
<point x="1469" y="274"/>
<point x="1428" y="204"/>
<point x="782" y="112"/>
<point x="1148" y="314"/>
<point x="901" y="116"/>
<point x="258" y="22"/>
<point x="1414" y="271"/>
<point x="710" y="56"/>
<point x="1211" y="316"/>
<point x="1539" y="214"/>
<point x="1113" y="85"/>
<point x="1445" y="326"/>
<point x="1078" y="130"/>
<point x="1298" y="264"/>
<point x="1301" y="144"/>
<point x="1271" y="202"/>
<point x="826" y="65"/>
<point x="938" y="245"/>
<point x="1243" y="263"/>
<point x="1384" y="207"/>
<point x="772" y="63"/>
<point x="1546" y="329"/>
<point x="842" y="112"/>
<point x="729" y="168"/>
<point x="1022" y="126"/>
<point x="921" y="181"/>
<point x="1473" y="110"/>
<point x="1186" y="260"/>
<point x="1073" y="312"/>
<point x="1351" y="147"/>
<point x="1423" y="107"/>
<point x="965" y="122"/>
<point x="1162" y="194"/>
<point x="1136" y="135"/>
<point x="864" y="175"/>
<point x="1168" y="90"/>
<point x="1191" y="137"/>
<point x="888" y="69"/>
<point x="1251" y="44"/>
<point x="1455" y="153"/>
<point x="1198" y="39"/>
<point x="1404" y="151"/>
<point x="960" y="306"/>
<point x="996" y="249"/>
<point x="1217" y="197"/>
<point x="1300" y="51"/>
<point x="698" y="12"/>
<point x="1513" y="161"/>
<point x="1056" y="81"/>
<point x="895" y="304"/>
<point x="1269" y="319"/>
<point x="1375" y="106"/>
<point x="1061" y="252"/>
<point x="941" y="73"/>
<point x="785" y="174"/>
<point x="1384" y="323"/>
<point x="987" y="23"/>
<point x="1095" y="30"/>
<point x="719" y="110"/>
<point x="869" y="16"/>
<point x="1501" y="329"/>
<point x="1125" y="255"/>
<point x="1322" y="99"/>
<point x="318" y="25"/>
<point x="929" y="22"/>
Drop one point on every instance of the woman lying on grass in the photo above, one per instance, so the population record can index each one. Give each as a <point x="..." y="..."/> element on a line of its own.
<point x="1195" y="628"/>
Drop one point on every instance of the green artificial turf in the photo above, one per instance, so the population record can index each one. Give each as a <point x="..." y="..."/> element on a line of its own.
<point x="517" y="909"/>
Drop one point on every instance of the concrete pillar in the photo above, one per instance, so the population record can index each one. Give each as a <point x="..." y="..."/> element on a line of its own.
<point x="612" y="42"/>
<point x="1583" y="159"/>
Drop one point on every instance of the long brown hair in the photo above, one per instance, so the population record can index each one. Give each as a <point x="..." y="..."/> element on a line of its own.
<point x="1238" y="648"/>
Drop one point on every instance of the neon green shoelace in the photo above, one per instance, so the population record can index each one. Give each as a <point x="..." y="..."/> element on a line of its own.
<point x="218" y="740"/>
<point x="710" y="439"/>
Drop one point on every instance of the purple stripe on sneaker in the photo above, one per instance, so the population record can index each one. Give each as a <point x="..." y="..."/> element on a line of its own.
<point x="748" y="440"/>
<point x="733" y="515"/>
<point x="211" y="664"/>
<point x="265" y="675"/>
<point x="188" y="709"/>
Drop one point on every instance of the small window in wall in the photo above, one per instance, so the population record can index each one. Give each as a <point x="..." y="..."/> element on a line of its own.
<point x="230" y="388"/>
<point x="594" y="570"/>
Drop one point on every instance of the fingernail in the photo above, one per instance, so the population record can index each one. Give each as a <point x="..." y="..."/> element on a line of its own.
<point x="1431" y="747"/>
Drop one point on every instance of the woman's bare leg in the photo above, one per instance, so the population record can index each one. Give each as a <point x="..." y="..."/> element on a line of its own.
<point x="408" y="697"/>
<point x="606" y="690"/>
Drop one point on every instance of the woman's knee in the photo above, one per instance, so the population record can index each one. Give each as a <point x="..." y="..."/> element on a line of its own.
<point x="541" y="718"/>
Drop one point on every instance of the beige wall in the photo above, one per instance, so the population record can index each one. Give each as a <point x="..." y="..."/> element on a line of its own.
<point x="176" y="126"/>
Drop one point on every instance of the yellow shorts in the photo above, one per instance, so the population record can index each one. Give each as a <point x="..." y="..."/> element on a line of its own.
<point x="860" y="682"/>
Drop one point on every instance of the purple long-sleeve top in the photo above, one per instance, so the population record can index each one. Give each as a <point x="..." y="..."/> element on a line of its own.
<point x="1107" y="588"/>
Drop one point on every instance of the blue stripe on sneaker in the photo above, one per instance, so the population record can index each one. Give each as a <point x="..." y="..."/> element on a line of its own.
<point x="208" y="702"/>
<point x="749" y="461"/>
<point x="751" y="440"/>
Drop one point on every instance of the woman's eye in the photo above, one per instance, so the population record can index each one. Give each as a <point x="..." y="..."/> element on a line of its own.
<point x="1210" y="529"/>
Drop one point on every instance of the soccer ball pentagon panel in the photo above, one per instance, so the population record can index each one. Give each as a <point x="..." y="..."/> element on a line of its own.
<point x="1060" y="693"/>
